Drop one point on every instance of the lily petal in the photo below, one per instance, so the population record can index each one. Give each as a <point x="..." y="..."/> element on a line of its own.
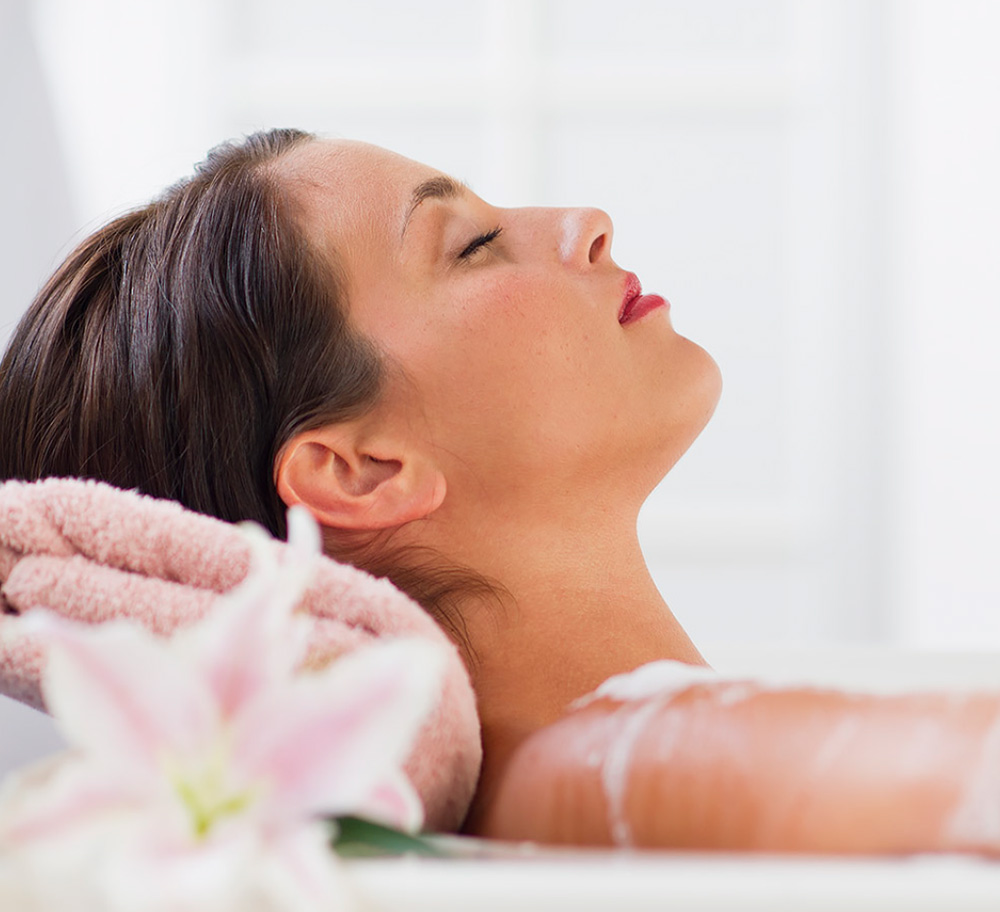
<point x="51" y="797"/>
<point x="301" y="873"/>
<point x="155" y="875"/>
<point x="251" y="640"/>
<point x="118" y="694"/>
<point x="327" y="740"/>
<point x="393" y="802"/>
<point x="238" y="870"/>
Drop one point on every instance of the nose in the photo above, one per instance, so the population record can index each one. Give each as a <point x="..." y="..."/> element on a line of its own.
<point x="586" y="237"/>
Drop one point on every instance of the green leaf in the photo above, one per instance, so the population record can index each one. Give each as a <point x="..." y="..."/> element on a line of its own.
<point x="354" y="837"/>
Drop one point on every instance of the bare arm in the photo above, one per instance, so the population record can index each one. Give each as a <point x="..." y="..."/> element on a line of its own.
<point x="727" y="766"/>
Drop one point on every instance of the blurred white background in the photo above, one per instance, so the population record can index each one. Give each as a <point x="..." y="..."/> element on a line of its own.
<point x="813" y="184"/>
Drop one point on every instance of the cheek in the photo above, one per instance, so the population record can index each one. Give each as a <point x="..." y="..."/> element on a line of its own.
<point x="508" y="373"/>
<point x="523" y="337"/>
<point x="524" y="376"/>
<point x="507" y="306"/>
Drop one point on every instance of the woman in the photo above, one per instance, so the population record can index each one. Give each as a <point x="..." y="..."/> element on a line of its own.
<point x="474" y="402"/>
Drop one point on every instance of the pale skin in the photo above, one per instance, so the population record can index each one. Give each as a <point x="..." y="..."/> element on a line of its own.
<point x="520" y="431"/>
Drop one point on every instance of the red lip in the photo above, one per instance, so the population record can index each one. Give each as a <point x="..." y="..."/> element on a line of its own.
<point x="634" y="303"/>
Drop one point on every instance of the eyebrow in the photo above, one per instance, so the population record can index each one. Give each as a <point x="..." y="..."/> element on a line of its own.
<point x="440" y="187"/>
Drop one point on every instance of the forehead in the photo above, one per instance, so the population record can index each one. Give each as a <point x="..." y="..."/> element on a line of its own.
<point x="351" y="193"/>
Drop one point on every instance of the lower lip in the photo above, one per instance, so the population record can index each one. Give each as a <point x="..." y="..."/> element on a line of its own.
<point x="643" y="305"/>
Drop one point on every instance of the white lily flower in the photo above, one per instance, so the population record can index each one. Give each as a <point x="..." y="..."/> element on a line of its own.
<point x="200" y="764"/>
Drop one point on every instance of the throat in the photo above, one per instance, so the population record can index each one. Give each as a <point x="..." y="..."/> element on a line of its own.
<point x="579" y="607"/>
<point x="561" y="645"/>
<point x="533" y="672"/>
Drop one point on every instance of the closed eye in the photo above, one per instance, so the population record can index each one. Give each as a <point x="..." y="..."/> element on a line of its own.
<point x="484" y="240"/>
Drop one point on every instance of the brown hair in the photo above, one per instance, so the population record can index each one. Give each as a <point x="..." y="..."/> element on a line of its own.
<point x="178" y="348"/>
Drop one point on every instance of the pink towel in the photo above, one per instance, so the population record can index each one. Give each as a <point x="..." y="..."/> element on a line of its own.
<point x="92" y="552"/>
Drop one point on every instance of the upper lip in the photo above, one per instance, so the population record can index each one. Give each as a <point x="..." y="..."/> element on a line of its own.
<point x="633" y="289"/>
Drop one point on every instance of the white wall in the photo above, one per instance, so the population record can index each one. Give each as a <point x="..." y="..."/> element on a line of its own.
<point x="807" y="181"/>
<point x="813" y="183"/>
<point x="946" y="310"/>
<point x="36" y="215"/>
<point x="36" y="221"/>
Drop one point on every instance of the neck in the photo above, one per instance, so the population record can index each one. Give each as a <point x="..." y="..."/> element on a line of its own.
<point x="582" y="607"/>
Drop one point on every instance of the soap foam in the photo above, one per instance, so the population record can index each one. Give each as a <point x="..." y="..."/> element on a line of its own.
<point x="617" y="764"/>
<point x="646" y="690"/>
<point x="976" y="818"/>
<point x="663" y="678"/>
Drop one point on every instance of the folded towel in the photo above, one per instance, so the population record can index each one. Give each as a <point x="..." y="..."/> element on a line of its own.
<point x="91" y="552"/>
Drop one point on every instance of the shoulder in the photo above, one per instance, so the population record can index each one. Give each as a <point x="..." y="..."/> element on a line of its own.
<point x="551" y="790"/>
<point x="563" y="782"/>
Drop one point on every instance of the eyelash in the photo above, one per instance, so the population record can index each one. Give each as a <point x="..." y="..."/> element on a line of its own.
<point x="484" y="240"/>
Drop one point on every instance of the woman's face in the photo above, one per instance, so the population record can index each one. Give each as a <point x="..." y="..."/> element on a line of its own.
<point x="517" y="376"/>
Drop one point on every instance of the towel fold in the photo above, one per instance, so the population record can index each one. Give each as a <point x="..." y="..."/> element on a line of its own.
<point x="92" y="552"/>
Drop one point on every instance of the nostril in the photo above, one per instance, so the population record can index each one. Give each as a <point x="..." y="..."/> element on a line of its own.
<point x="597" y="247"/>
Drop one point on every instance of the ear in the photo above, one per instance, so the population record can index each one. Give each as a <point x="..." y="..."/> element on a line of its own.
<point x="348" y="482"/>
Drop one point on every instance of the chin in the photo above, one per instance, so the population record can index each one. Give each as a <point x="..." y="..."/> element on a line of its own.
<point x="699" y="390"/>
<point x="711" y="380"/>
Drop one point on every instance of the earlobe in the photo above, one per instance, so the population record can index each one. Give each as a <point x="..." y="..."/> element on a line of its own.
<point x="344" y="486"/>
